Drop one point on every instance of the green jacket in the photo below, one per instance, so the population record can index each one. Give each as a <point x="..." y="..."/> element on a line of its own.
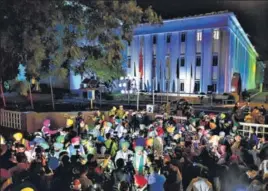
<point x="114" y="147"/>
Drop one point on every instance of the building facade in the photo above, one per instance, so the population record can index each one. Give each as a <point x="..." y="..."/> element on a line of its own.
<point x="192" y="54"/>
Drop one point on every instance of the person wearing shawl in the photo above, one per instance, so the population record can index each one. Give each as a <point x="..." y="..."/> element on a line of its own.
<point x="124" y="153"/>
<point x="47" y="132"/>
<point x="139" y="160"/>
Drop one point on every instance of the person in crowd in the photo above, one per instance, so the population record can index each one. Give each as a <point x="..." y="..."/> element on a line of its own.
<point x="119" y="174"/>
<point x="139" y="159"/>
<point x="120" y="112"/>
<point x="155" y="180"/>
<point x="124" y="153"/>
<point x="86" y="183"/>
<point x="111" y="145"/>
<point x="204" y="152"/>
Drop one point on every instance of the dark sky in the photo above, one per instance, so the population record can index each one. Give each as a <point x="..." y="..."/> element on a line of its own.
<point x="252" y="15"/>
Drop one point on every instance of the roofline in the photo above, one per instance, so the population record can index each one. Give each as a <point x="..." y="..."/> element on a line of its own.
<point x="240" y="28"/>
<point x="213" y="14"/>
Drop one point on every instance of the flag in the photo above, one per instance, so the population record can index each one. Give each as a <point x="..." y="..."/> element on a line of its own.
<point x="153" y="68"/>
<point x="191" y="71"/>
<point x="178" y="68"/>
<point x="160" y="71"/>
<point x="141" y="64"/>
<point x="135" y="69"/>
<point x="167" y="68"/>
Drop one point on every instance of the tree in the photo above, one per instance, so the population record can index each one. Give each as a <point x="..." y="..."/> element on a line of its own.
<point x="111" y="24"/>
<point x="35" y="32"/>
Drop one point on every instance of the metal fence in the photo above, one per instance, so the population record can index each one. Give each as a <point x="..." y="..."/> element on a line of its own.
<point x="247" y="129"/>
<point x="11" y="119"/>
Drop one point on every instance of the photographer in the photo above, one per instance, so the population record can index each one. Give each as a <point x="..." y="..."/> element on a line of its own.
<point x="119" y="174"/>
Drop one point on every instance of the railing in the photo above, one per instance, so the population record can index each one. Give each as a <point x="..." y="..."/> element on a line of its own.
<point x="11" y="119"/>
<point x="177" y="118"/>
<point x="228" y="101"/>
<point x="260" y="129"/>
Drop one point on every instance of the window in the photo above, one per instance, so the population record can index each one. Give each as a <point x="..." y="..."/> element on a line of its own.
<point x="168" y="38"/>
<point x="183" y="37"/>
<point x="197" y="86"/>
<point x="154" y="67"/>
<point x="214" y="87"/>
<point x="216" y="34"/>
<point x="129" y="62"/>
<point x="182" y="62"/>
<point x="182" y="87"/>
<point x="199" y="36"/>
<point x="198" y="61"/>
<point x="154" y="39"/>
<point x="215" y="60"/>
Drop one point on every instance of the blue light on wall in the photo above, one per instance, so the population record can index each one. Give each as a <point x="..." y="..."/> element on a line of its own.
<point x="235" y="53"/>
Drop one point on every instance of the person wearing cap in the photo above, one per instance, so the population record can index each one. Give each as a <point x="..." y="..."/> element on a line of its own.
<point x="139" y="159"/>
<point x="124" y="153"/>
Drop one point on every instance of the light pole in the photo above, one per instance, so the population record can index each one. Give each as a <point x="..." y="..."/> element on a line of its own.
<point x="126" y="86"/>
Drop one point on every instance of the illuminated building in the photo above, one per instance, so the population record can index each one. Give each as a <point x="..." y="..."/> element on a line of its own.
<point x="187" y="55"/>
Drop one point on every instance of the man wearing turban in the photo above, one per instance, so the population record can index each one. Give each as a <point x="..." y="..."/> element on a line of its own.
<point x="124" y="152"/>
<point x="139" y="160"/>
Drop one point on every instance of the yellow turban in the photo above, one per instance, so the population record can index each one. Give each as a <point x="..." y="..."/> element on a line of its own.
<point x="170" y="129"/>
<point x="212" y="125"/>
<point x="2" y="140"/>
<point x="18" y="136"/>
<point x="222" y="116"/>
<point x="150" y="142"/>
<point x="27" y="189"/>
<point x="69" y="122"/>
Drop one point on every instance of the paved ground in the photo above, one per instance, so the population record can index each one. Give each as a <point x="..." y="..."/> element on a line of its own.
<point x="260" y="98"/>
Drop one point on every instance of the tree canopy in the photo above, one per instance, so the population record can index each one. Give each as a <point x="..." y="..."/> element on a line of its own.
<point x="45" y="34"/>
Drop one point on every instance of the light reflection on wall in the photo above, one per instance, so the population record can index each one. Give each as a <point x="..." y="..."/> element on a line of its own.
<point x="235" y="53"/>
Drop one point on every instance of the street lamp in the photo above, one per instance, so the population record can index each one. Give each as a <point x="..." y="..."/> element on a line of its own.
<point x="127" y="86"/>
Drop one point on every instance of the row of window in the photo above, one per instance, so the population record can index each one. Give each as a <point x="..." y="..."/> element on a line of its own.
<point x="197" y="86"/>
<point x="181" y="61"/>
<point x="216" y="36"/>
<point x="198" y="61"/>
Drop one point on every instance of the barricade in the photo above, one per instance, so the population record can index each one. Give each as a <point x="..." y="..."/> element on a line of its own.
<point x="11" y="119"/>
<point x="247" y="129"/>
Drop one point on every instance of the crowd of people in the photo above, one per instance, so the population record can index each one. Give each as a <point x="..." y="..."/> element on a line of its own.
<point x="132" y="151"/>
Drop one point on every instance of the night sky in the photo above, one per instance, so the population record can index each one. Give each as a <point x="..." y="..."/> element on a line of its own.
<point x="252" y="15"/>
